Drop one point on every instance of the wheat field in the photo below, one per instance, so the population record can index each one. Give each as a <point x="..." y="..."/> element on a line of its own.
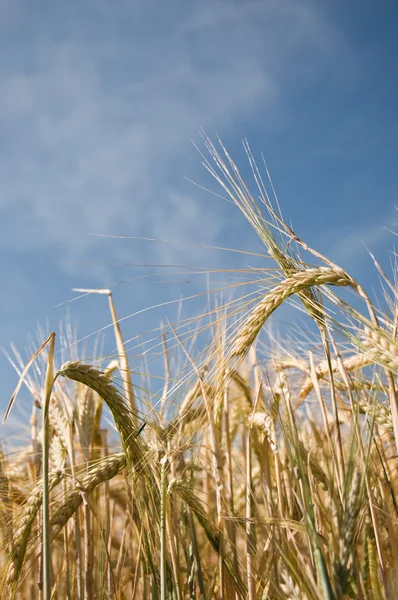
<point x="262" y="467"/>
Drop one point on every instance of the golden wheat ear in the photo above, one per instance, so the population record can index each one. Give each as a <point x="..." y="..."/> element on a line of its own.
<point x="293" y="285"/>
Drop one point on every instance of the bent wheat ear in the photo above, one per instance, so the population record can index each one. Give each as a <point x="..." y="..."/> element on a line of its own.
<point x="293" y="285"/>
<point x="100" y="383"/>
<point x="105" y="470"/>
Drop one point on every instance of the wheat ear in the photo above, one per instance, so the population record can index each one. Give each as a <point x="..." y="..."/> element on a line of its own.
<point x="357" y="361"/>
<point x="293" y="285"/>
<point x="21" y="537"/>
<point x="101" y="383"/>
<point x="87" y="483"/>
<point x="341" y="570"/>
<point x="380" y="348"/>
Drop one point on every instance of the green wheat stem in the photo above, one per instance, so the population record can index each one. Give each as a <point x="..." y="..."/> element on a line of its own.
<point x="45" y="457"/>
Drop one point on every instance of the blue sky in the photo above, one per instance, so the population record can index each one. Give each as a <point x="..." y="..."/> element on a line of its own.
<point x="99" y="102"/>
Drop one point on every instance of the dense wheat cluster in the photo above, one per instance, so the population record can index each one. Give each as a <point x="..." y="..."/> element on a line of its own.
<point x="258" y="471"/>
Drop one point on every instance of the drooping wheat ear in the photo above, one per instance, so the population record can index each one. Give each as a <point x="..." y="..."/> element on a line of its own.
<point x="227" y="174"/>
<point x="357" y="361"/>
<point x="101" y="472"/>
<point x="380" y="348"/>
<point x="136" y="453"/>
<point x="293" y="285"/>
<point x="100" y="383"/>
<point x="21" y="536"/>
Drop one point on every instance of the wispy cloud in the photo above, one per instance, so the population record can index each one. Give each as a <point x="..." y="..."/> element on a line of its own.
<point x="97" y="110"/>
